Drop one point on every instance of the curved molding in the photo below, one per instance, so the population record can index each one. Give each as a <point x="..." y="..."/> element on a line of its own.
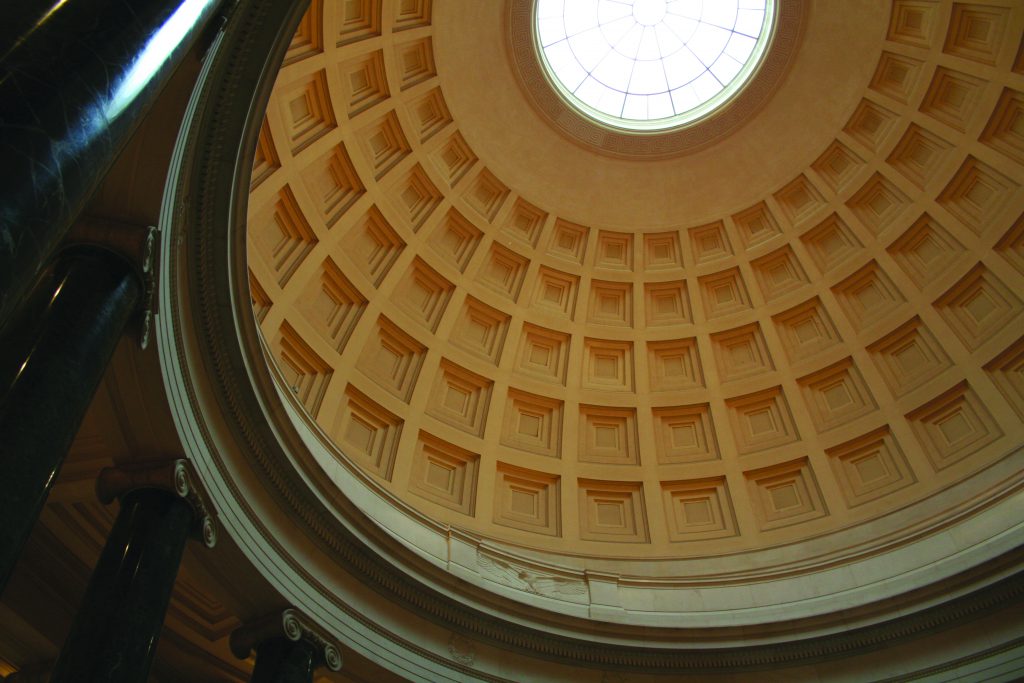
<point x="372" y="588"/>
<point x="655" y="145"/>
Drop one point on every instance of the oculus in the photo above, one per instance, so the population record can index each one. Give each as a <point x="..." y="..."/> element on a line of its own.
<point x="651" y="65"/>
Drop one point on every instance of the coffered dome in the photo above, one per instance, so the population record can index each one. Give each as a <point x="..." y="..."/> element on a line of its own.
<point x="649" y="377"/>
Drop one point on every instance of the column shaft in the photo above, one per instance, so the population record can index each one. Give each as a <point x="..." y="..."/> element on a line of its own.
<point x="280" y="660"/>
<point x="114" y="635"/>
<point x="52" y="357"/>
<point x="78" y="76"/>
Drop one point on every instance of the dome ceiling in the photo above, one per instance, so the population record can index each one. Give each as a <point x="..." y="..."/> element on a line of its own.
<point x="809" y="325"/>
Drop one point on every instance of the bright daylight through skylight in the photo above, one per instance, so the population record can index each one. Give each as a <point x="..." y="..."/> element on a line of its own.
<point x="651" y="64"/>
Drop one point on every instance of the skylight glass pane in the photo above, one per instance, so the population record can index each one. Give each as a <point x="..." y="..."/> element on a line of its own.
<point x="564" y="63"/>
<point x="614" y="71"/>
<point x="608" y="12"/>
<point x="682" y="67"/>
<point x="630" y="43"/>
<point x="685" y="8"/>
<point x="626" y="62"/>
<point x="615" y="31"/>
<point x="726" y="68"/>
<point x="748" y="22"/>
<point x="590" y="47"/>
<point x="649" y="48"/>
<point x="682" y="26"/>
<point x="708" y="43"/>
<point x="685" y="98"/>
<point x="550" y="8"/>
<point x="648" y="78"/>
<point x="707" y="86"/>
<point x="740" y="47"/>
<point x="668" y="42"/>
<point x="550" y="30"/>
<point x="659" y="106"/>
<point x="580" y="15"/>
<point x="636" y="107"/>
<point x="601" y="97"/>
<point x="721" y="13"/>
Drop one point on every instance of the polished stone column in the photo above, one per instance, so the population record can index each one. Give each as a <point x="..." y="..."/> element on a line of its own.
<point x="289" y="648"/>
<point x="280" y="660"/>
<point x="52" y="357"/>
<point x="76" y="77"/>
<point x="114" y="635"/>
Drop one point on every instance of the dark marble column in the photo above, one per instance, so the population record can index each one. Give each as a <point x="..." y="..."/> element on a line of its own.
<point x="280" y="660"/>
<point x="53" y="355"/>
<point x="115" y="632"/>
<point x="77" y="77"/>
<point x="289" y="648"/>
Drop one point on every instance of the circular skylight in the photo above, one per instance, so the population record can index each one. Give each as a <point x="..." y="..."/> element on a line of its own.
<point x="651" y="64"/>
